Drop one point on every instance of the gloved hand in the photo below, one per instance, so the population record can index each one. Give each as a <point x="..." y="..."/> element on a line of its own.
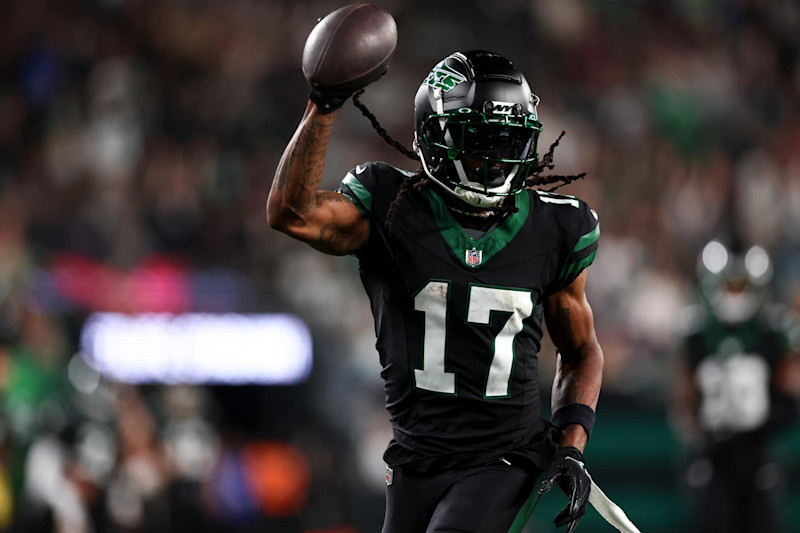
<point x="327" y="101"/>
<point x="569" y="473"/>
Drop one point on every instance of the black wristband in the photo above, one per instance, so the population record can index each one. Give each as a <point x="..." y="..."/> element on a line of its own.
<point x="326" y="102"/>
<point x="574" y="413"/>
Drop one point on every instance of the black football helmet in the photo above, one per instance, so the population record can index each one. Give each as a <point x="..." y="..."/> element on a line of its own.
<point x="476" y="128"/>
<point x="734" y="282"/>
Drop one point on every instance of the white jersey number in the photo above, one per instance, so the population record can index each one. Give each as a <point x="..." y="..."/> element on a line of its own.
<point x="735" y="392"/>
<point x="432" y="300"/>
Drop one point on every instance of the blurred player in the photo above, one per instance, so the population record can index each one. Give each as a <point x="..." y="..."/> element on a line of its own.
<point x="737" y="388"/>
<point x="462" y="260"/>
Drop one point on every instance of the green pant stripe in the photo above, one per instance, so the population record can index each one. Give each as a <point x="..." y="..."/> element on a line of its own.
<point x="527" y="509"/>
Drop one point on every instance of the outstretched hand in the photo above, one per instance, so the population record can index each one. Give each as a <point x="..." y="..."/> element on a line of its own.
<point x="568" y="472"/>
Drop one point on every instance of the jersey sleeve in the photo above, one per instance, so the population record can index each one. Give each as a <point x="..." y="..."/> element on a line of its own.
<point x="582" y="238"/>
<point x="358" y="185"/>
<point x="372" y="188"/>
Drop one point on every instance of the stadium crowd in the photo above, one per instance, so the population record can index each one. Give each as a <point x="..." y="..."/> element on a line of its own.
<point x="138" y="139"/>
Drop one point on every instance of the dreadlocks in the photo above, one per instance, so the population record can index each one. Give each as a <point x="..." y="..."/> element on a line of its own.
<point x="420" y="181"/>
<point x="535" y="178"/>
<point x="381" y="131"/>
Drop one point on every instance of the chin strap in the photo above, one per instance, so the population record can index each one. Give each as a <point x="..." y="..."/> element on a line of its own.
<point x="460" y="193"/>
<point x="610" y="511"/>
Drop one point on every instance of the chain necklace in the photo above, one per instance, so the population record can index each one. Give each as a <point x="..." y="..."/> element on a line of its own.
<point x="474" y="214"/>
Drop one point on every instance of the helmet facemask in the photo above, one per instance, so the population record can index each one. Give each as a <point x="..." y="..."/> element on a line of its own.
<point x="478" y="147"/>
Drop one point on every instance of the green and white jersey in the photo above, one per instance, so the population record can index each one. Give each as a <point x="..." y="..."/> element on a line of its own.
<point x="459" y="320"/>
<point x="733" y="367"/>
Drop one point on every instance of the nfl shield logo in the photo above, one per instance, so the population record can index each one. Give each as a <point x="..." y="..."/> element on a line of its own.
<point x="389" y="476"/>
<point x="474" y="257"/>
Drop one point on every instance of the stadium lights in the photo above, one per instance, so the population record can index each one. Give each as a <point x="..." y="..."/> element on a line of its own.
<point x="194" y="348"/>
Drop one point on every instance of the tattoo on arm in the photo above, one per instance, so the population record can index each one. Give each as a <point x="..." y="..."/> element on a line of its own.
<point x="296" y="205"/>
<point x="300" y="175"/>
<point x="565" y="325"/>
<point x="331" y="237"/>
<point x="325" y="197"/>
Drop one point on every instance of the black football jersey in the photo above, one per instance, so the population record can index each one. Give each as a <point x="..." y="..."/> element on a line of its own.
<point x="733" y="367"/>
<point x="459" y="320"/>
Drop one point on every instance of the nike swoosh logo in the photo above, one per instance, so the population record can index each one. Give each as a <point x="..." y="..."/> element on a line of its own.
<point x="360" y="169"/>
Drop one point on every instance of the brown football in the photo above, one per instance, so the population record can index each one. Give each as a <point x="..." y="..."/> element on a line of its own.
<point x="349" y="48"/>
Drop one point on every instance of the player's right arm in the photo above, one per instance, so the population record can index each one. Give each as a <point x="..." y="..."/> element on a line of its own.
<point x="326" y="220"/>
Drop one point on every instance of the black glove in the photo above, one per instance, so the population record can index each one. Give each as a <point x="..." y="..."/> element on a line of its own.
<point x="568" y="472"/>
<point x="328" y="102"/>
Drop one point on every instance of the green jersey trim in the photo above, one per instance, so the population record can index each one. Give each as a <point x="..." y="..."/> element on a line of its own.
<point x="577" y="266"/>
<point x="588" y="239"/>
<point x="463" y="246"/>
<point x="361" y="192"/>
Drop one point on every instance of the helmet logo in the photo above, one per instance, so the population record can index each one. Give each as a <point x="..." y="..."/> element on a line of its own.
<point x="444" y="78"/>
<point x="504" y="108"/>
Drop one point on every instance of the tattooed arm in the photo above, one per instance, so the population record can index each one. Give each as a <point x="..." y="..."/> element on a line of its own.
<point x="326" y="220"/>
<point x="579" y="370"/>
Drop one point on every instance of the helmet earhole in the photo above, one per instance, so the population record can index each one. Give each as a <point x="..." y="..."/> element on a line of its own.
<point x="488" y="108"/>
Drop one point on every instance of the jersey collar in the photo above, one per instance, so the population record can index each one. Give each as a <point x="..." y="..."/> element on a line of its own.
<point x="475" y="253"/>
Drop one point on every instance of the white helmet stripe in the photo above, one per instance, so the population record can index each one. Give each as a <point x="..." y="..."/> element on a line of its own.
<point x="466" y="62"/>
<point x="437" y="95"/>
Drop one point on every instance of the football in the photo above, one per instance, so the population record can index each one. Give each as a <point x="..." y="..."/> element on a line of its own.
<point x="349" y="48"/>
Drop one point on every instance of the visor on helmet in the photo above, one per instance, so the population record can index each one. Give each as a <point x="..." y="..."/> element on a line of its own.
<point x="492" y="142"/>
<point x="497" y="145"/>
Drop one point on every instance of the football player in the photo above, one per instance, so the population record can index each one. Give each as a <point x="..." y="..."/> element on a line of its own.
<point x="461" y="261"/>
<point x="737" y="387"/>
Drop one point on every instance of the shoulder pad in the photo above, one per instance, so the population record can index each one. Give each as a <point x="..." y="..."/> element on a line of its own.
<point x="692" y="319"/>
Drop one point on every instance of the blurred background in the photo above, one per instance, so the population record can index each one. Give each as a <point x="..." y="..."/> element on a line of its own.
<point x="138" y="140"/>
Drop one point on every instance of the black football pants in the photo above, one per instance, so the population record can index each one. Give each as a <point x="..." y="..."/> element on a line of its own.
<point x="495" y="498"/>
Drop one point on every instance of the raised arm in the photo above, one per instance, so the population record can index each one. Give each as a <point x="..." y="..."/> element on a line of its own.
<point x="579" y="370"/>
<point x="326" y="220"/>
